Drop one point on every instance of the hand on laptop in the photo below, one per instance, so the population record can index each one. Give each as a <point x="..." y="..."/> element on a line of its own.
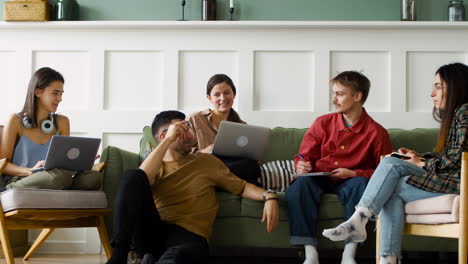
<point x="208" y="149"/>
<point x="342" y="173"/>
<point x="39" y="164"/>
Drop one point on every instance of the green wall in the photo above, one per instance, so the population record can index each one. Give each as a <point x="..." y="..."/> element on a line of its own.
<point x="308" y="10"/>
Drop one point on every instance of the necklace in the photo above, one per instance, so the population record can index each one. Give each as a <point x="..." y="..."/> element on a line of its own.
<point x="40" y="135"/>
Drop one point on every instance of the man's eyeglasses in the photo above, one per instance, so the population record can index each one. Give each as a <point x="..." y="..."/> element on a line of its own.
<point x="187" y="123"/>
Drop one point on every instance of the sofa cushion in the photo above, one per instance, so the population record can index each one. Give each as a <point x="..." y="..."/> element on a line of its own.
<point x="436" y="210"/>
<point x="330" y="207"/>
<point x="283" y="143"/>
<point x="147" y="143"/>
<point x="419" y="139"/>
<point x="14" y="199"/>
<point x="229" y="204"/>
<point x="430" y="219"/>
<point x="277" y="175"/>
<point x="436" y="205"/>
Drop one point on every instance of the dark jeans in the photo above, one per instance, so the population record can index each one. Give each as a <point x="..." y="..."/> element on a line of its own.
<point x="303" y="197"/>
<point x="246" y="169"/>
<point x="137" y="219"/>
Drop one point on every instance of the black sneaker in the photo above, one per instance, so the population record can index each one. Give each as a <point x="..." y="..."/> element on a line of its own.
<point x="148" y="259"/>
<point x="133" y="258"/>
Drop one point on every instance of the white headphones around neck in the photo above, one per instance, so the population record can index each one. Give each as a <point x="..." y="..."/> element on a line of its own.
<point x="47" y="126"/>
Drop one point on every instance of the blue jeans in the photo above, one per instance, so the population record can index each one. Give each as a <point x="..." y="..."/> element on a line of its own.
<point x="386" y="193"/>
<point x="303" y="197"/>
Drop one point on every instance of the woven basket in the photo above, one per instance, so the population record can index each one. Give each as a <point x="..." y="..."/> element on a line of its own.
<point x="26" y="10"/>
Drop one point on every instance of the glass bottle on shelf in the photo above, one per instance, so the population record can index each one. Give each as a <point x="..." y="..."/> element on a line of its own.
<point x="456" y="11"/>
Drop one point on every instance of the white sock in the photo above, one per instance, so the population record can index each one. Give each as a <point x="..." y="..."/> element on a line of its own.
<point x="354" y="229"/>
<point x="388" y="260"/>
<point x="348" y="253"/>
<point x="311" y="255"/>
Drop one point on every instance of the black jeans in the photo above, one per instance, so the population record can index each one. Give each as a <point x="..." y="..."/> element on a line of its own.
<point x="246" y="169"/>
<point x="137" y="219"/>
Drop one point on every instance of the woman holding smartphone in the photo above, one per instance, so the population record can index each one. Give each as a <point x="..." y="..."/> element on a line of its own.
<point x="397" y="181"/>
<point x="27" y="135"/>
<point x="221" y="92"/>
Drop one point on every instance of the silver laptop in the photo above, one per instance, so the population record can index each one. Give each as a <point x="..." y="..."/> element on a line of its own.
<point x="241" y="140"/>
<point x="71" y="153"/>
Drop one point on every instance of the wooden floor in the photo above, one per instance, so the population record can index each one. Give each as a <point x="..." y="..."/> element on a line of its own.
<point x="62" y="258"/>
<point x="427" y="258"/>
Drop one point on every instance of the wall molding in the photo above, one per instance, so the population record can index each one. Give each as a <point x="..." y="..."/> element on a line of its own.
<point x="238" y="24"/>
<point x="119" y="74"/>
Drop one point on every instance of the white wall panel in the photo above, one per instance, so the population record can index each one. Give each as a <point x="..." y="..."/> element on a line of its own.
<point x="283" y="81"/>
<point x="76" y="235"/>
<point x="133" y="80"/>
<point x="421" y="67"/>
<point x="195" y="68"/>
<point x="375" y="66"/>
<point x="79" y="134"/>
<point x="8" y="76"/>
<point x="69" y="240"/>
<point x="127" y="141"/>
<point x="119" y="74"/>
<point x="74" y="66"/>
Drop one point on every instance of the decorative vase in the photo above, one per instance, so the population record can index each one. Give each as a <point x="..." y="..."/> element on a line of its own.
<point x="208" y="10"/>
<point x="67" y="10"/>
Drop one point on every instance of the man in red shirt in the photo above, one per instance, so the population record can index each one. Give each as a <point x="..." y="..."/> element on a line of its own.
<point x="347" y="143"/>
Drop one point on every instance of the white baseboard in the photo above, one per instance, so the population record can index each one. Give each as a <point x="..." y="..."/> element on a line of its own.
<point x="67" y="247"/>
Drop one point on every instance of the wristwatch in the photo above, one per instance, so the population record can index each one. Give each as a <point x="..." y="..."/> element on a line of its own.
<point x="265" y="193"/>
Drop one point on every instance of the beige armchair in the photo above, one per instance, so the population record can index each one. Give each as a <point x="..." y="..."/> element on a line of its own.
<point x="40" y="210"/>
<point x="450" y="222"/>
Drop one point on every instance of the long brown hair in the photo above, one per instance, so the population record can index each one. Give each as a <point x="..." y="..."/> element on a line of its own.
<point x="39" y="80"/>
<point x="455" y="78"/>
<point x="220" y="78"/>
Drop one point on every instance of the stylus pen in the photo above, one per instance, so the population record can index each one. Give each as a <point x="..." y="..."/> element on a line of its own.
<point x="301" y="157"/>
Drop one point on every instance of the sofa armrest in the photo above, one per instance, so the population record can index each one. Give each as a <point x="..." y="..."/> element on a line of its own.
<point x="117" y="162"/>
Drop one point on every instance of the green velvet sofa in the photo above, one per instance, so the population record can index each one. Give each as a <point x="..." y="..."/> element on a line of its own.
<point x="238" y="224"/>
